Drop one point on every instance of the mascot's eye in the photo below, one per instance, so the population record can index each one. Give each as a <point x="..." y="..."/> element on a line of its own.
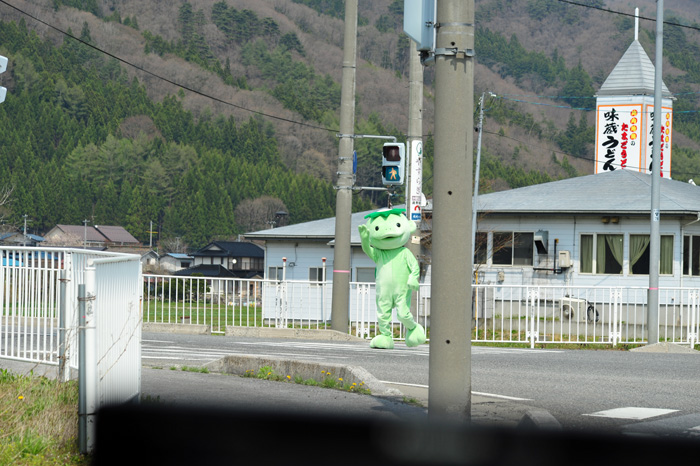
<point x="398" y="225"/>
<point x="376" y="228"/>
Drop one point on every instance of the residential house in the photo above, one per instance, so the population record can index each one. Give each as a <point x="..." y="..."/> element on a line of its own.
<point x="242" y="259"/>
<point x="90" y="236"/>
<point x="19" y="239"/>
<point x="173" y="262"/>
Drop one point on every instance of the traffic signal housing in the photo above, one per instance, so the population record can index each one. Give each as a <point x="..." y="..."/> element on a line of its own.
<point x="393" y="163"/>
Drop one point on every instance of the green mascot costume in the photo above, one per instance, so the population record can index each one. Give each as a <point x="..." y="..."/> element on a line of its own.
<point x="383" y="238"/>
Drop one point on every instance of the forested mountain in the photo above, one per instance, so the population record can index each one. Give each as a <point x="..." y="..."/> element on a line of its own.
<point x="206" y="117"/>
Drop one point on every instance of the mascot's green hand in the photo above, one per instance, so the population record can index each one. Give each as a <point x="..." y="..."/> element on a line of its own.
<point x="413" y="283"/>
<point x="364" y="232"/>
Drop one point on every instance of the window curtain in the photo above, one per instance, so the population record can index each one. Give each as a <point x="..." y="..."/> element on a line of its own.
<point x="638" y="244"/>
<point x="586" y="253"/>
<point x="614" y="243"/>
<point x="666" y="253"/>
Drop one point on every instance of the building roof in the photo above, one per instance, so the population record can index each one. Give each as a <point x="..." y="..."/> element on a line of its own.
<point x="81" y="232"/>
<point x="316" y="230"/>
<point x="99" y="233"/>
<point x="178" y="255"/>
<point x="230" y="249"/>
<point x="618" y="192"/>
<point x="207" y="270"/>
<point x="35" y="238"/>
<point x="116" y="234"/>
<point x="634" y="74"/>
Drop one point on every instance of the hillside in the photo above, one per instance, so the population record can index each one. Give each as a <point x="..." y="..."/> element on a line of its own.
<point x="220" y="113"/>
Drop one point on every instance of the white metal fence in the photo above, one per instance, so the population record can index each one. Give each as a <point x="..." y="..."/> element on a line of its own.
<point x="505" y="314"/>
<point x="39" y="310"/>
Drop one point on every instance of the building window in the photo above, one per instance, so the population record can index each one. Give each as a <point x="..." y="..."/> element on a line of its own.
<point x="316" y="274"/>
<point x="365" y="274"/>
<point x="691" y="255"/>
<point x="481" y="247"/>
<point x="601" y="254"/>
<point x="512" y="248"/>
<point x="274" y="273"/>
<point x="639" y="255"/>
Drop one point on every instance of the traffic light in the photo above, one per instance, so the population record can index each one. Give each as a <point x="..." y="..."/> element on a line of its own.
<point x="3" y="67"/>
<point x="393" y="163"/>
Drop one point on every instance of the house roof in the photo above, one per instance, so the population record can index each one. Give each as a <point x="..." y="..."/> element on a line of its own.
<point x="100" y="234"/>
<point x="618" y="192"/>
<point x="634" y="74"/>
<point x="207" y="270"/>
<point x="80" y="231"/>
<point x="230" y="249"/>
<point x="178" y="255"/>
<point x="32" y="237"/>
<point x="316" y="230"/>
<point x="116" y="234"/>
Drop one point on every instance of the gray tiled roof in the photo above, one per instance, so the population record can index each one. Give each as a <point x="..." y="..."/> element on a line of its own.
<point x="633" y="75"/>
<point x="316" y="230"/>
<point x="616" y="192"/>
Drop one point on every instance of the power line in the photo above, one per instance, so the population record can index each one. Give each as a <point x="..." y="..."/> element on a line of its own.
<point x="607" y="10"/>
<point x="163" y="78"/>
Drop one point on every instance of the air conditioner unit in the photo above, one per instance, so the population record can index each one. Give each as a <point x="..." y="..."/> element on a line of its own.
<point x="573" y="309"/>
<point x="564" y="259"/>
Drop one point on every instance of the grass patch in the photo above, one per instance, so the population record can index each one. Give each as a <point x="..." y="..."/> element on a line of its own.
<point x="327" y="380"/>
<point x="38" y="421"/>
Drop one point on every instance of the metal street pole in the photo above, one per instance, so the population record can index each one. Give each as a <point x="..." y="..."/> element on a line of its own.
<point x="343" y="201"/>
<point x="476" y="177"/>
<point x="414" y="185"/>
<point x="451" y="296"/>
<point x="654" y="237"/>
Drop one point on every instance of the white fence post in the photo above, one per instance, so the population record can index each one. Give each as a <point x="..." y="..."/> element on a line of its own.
<point x="693" y="318"/>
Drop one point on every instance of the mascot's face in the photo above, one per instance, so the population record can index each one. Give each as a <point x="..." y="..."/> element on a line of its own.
<point x="390" y="231"/>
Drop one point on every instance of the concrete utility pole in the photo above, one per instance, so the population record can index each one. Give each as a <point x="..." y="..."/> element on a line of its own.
<point x="654" y="237"/>
<point x="343" y="200"/>
<point x="414" y="185"/>
<point x="451" y="296"/>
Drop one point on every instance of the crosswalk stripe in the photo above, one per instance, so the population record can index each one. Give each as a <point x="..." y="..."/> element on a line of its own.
<point x="634" y="413"/>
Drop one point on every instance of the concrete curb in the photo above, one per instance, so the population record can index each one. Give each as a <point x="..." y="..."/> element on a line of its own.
<point x="186" y="329"/>
<point x="665" y="347"/>
<point x="536" y="418"/>
<point x="299" y="333"/>
<point x="244" y="365"/>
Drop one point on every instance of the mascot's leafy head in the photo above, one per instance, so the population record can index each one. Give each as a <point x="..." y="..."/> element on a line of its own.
<point x="389" y="228"/>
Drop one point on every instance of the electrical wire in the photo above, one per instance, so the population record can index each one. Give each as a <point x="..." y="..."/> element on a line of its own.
<point x="163" y="78"/>
<point x="607" y="10"/>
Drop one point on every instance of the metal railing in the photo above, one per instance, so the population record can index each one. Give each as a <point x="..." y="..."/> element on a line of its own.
<point x="504" y="314"/>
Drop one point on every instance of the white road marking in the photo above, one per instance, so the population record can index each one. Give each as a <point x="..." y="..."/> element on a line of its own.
<point x="633" y="413"/>
<point x="491" y="395"/>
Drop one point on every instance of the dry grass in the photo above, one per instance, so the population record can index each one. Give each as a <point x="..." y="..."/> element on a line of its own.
<point x="38" y="421"/>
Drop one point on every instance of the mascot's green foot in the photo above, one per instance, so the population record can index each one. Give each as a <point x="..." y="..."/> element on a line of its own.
<point x="416" y="336"/>
<point x="382" y="342"/>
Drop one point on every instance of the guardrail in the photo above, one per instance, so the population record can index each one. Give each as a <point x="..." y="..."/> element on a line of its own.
<point x="504" y="314"/>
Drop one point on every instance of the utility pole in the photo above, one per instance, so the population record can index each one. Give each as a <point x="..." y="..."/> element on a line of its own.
<point x="654" y="237"/>
<point x="451" y="298"/>
<point x="85" y="222"/>
<point x="414" y="185"/>
<point x="343" y="201"/>
<point x="24" y="240"/>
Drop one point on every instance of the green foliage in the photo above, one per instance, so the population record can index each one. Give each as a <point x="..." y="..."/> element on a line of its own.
<point x="493" y="169"/>
<point x="63" y="151"/>
<point x="295" y="84"/>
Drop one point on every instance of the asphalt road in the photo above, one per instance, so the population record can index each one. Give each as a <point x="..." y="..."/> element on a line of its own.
<point x="616" y="391"/>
